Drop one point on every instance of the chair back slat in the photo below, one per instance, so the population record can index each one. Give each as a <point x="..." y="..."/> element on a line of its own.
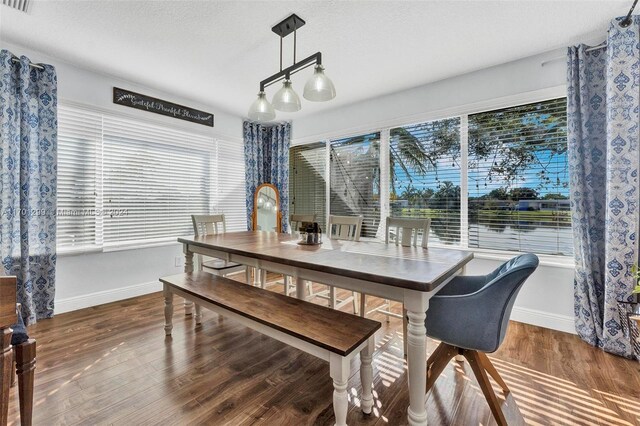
<point x="344" y="227"/>
<point x="208" y="224"/>
<point x="407" y="231"/>
<point x="298" y="219"/>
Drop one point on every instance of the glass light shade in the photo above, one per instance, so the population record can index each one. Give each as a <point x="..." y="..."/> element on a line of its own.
<point x="261" y="109"/>
<point x="319" y="88"/>
<point x="286" y="99"/>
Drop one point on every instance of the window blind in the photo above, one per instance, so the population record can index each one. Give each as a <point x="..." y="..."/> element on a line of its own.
<point x="229" y="194"/>
<point x="355" y="180"/>
<point x="155" y="178"/>
<point x="518" y="179"/>
<point x="425" y="176"/>
<point x="79" y="169"/>
<point x="307" y="181"/>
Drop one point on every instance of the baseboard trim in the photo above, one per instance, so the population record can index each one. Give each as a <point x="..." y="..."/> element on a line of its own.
<point x="544" y="319"/>
<point x="101" y="297"/>
<point x="528" y="316"/>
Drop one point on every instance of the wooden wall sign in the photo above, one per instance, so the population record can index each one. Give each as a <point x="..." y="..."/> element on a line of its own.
<point x="147" y="103"/>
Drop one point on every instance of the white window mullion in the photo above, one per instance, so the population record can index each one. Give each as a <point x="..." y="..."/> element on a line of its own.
<point x="464" y="181"/>
<point x="327" y="182"/>
<point x="385" y="177"/>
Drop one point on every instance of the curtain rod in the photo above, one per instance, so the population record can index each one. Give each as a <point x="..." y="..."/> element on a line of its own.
<point x="589" y="49"/>
<point x="40" y="67"/>
<point x="623" y="23"/>
<point x="627" y="20"/>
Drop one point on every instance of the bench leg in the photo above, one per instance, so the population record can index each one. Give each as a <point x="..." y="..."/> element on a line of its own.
<point x="25" y="366"/>
<point x="339" y="367"/>
<point x="168" y="310"/>
<point x="366" y="375"/>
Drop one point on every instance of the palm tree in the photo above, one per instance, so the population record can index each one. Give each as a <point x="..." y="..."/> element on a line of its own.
<point x="416" y="150"/>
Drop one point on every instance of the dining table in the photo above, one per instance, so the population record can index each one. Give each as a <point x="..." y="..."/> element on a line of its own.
<point x="410" y="275"/>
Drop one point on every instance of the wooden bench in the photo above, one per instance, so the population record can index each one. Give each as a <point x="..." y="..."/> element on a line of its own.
<point x="328" y="334"/>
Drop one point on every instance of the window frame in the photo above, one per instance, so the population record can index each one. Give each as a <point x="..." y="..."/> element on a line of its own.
<point x="463" y="113"/>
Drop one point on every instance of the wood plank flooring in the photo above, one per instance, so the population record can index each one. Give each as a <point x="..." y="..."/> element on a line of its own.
<point x="111" y="364"/>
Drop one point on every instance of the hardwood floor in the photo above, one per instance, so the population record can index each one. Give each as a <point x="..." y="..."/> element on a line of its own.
<point x="111" y="364"/>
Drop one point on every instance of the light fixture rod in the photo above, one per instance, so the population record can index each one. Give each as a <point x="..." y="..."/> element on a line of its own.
<point x="281" y="53"/>
<point x="295" y="32"/>
<point x="316" y="58"/>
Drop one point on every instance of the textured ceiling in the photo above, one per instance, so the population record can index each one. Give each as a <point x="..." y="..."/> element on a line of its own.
<point x="217" y="52"/>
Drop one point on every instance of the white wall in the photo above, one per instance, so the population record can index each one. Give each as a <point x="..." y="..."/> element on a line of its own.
<point x="547" y="297"/>
<point x="94" y="278"/>
<point x="434" y="100"/>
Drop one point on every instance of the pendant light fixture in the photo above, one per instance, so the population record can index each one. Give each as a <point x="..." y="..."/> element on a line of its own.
<point x="261" y="109"/>
<point x="319" y="88"/>
<point x="286" y="99"/>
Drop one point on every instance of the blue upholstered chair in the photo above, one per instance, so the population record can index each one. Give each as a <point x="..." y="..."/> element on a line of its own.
<point x="470" y="316"/>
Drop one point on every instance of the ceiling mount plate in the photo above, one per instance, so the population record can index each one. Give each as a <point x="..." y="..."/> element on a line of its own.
<point x="288" y="25"/>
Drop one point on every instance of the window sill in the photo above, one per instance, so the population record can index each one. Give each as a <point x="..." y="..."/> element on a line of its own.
<point x="137" y="245"/>
<point x="565" y="262"/>
<point x="77" y="251"/>
<point x="116" y="247"/>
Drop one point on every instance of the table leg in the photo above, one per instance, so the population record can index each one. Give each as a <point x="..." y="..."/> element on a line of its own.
<point x="463" y="271"/>
<point x="6" y="364"/>
<point x="188" y="268"/>
<point x="168" y="311"/>
<point x="300" y="288"/>
<point x="417" y="358"/>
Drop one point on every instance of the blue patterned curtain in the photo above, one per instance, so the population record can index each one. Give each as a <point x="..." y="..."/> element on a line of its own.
<point x="266" y="157"/>
<point x="28" y="168"/>
<point x="603" y="120"/>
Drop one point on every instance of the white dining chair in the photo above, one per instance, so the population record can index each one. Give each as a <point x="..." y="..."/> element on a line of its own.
<point x="407" y="232"/>
<point x="295" y="220"/>
<point x="211" y="225"/>
<point x="340" y="228"/>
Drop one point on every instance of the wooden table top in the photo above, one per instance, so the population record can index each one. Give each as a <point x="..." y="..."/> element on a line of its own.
<point x="415" y="268"/>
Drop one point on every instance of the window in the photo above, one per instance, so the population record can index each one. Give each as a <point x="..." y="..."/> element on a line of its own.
<point x="124" y="181"/>
<point x="307" y="180"/>
<point x="518" y="179"/>
<point x="424" y="165"/>
<point x="355" y="180"/>
<point x="495" y="180"/>
<point x="154" y="179"/>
